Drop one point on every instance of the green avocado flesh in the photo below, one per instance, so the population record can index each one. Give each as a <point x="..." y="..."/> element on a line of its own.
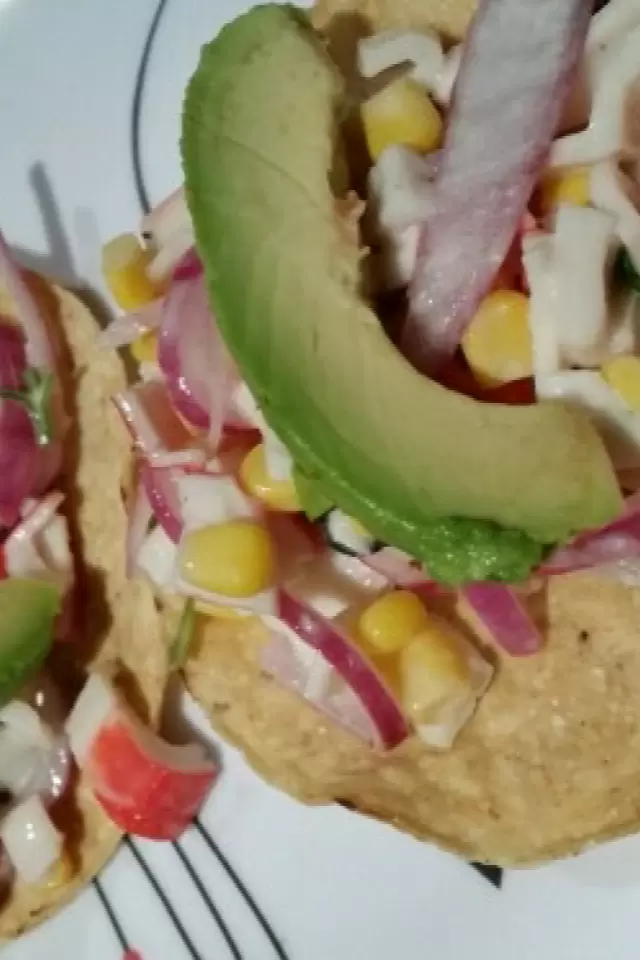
<point x="313" y="501"/>
<point x="28" y="609"/>
<point x="426" y="469"/>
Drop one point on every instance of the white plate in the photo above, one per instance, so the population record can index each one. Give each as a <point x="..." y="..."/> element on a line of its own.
<point x="332" y="884"/>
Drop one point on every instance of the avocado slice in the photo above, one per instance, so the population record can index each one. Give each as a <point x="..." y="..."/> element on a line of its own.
<point x="408" y="458"/>
<point x="28" y="609"/>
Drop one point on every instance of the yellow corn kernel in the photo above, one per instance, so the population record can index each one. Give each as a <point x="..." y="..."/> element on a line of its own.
<point x="623" y="375"/>
<point x="566" y="185"/>
<point x="497" y="344"/>
<point x="391" y="621"/>
<point x="234" y="559"/>
<point x="124" y="265"/>
<point x="401" y="113"/>
<point x="432" y="671"/>
<point x="277" y="494"/>
<point x="145" y="348"/>
<point x="60" y="874"/>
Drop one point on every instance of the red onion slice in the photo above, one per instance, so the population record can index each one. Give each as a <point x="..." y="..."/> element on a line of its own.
<point x="163" y="494"/>
<point x="149" y="416"/>
<point x="40" y="352"/>
<point x="193" y="358"/>
<point x="20" y="456"/>
<point x="518" y="62"/>
<point x="39" y="546"/>
<point x="304" y="671"/>
<point x="193" y="460"/>
<point x="397" y="566"/>
<point x="127" y="328"/>
<point x="189" y="268"/>
<point x="496" y="611"/>
<point x="387" y="725"/>
<point x="616" y="541"/>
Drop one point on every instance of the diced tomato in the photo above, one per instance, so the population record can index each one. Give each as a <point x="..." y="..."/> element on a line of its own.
<point x="457" y="376"/>
<point x="516" y="393"/>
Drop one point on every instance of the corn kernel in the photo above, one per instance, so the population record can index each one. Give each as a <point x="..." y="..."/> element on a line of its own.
<point x="432" y="671"/>
<point x="401" y="113"/>
<point x="623" y="375"/>
<point x="61" y="873"/>
<point x="124" y="265"/>
<point x="145" y="348"/>
<point x="497" y="344"/>
<point x="391" y="621"/>
<point x="567" y="185"/>
<point x="234" y="559"/>
<point x="277" y="494"/>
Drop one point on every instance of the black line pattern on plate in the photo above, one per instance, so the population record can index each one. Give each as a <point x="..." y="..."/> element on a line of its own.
<point x="137" y="104"/>
<point x="191" y="950"/>
<point x="242" y="889"/>
<point x="493" y="874"/>
<point x="116" y="926"/>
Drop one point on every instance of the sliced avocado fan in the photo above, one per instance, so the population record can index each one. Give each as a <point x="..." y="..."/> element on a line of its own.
<point x="423" y="468"/>
<point x="28" y="609"/>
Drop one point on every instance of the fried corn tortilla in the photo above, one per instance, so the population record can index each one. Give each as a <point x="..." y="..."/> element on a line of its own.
<point x="117" y="624"/>
<point x="549" y="763"/>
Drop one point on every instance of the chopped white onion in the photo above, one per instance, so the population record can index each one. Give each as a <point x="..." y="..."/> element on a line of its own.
<point x="39" y="546"/>
<point x="32" y="842"/>
<point x="333" y="582"/>
<point x="612" y="22"/>
<point x="32" y="759"/>
<point x="24" y="721"/>
<point x="170" y="254"/>
<point x="391" y="48"/>
<point x="157" y="559"/>
<point x="584" y="245"/>
<point x="587" y="389"/>
<point x="207" y="499"/>
<point x="393" y="267"/>
<point x="278" y="460"/>
<point x="538" y="257"/>
<point x="401" y="191"/>
<point x="446" y="79"/>
<point x="343" y="532"/>
<point x="166" y="218"/>
<point x="608" y="134"/>
<point x="458" y="709"/>
<point x="611" y="190"/>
